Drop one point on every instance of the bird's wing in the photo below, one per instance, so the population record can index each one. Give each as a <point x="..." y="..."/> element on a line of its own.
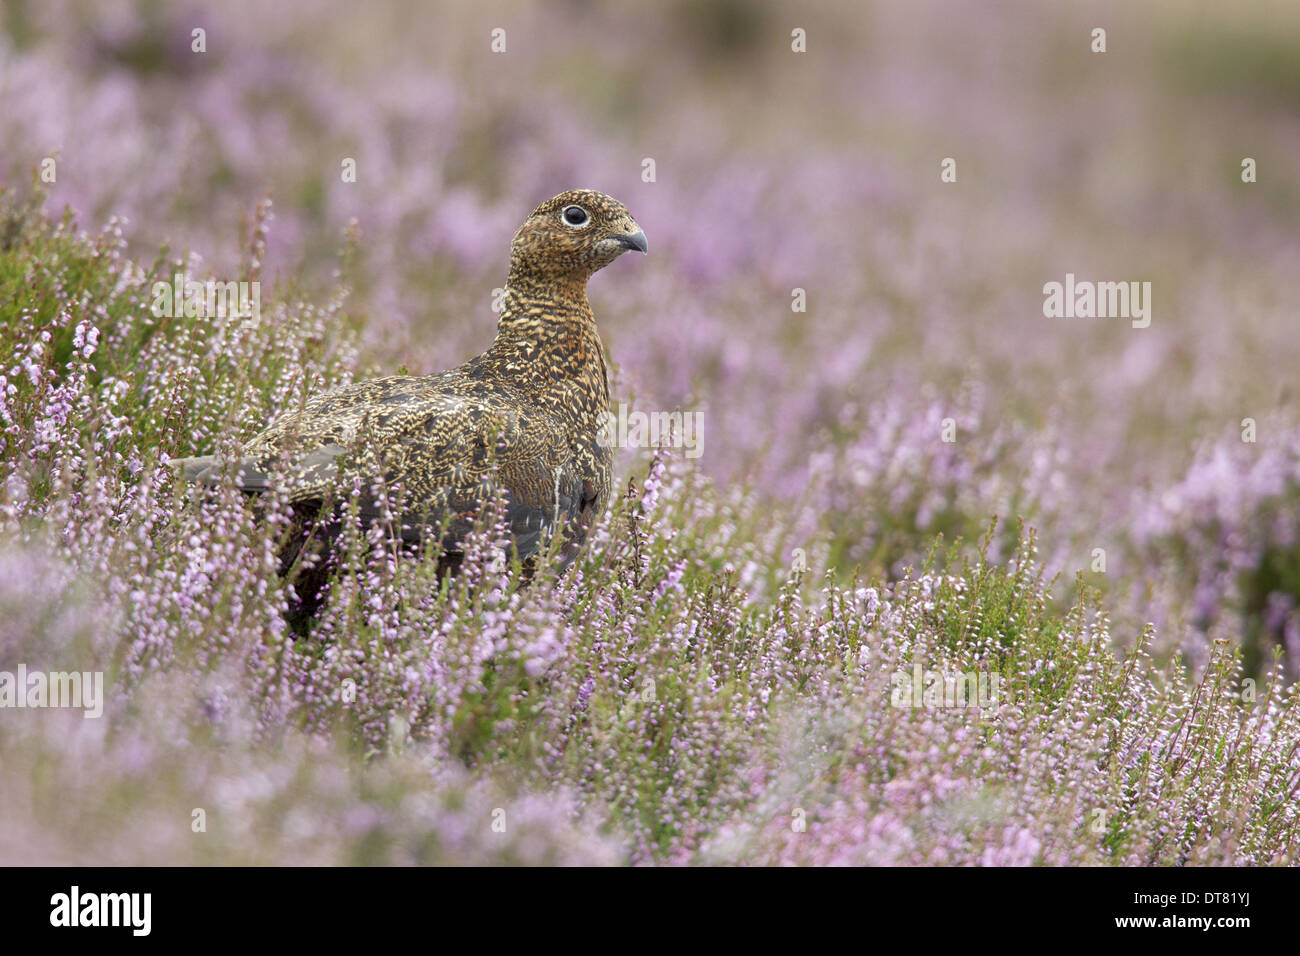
<point x="449" y="459"/>
<point x="441" y="446"/>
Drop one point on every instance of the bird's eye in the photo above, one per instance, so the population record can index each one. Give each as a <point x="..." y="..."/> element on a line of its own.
<point x="575" y="216"/>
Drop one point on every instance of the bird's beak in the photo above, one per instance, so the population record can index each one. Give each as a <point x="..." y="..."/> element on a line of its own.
<point x="635" y="241"/>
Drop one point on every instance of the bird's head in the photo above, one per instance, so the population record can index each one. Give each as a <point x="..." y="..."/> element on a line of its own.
<point x="572" y="235"/>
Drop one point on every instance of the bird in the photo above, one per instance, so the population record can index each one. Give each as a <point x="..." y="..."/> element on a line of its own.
<point x="523" y="420"/>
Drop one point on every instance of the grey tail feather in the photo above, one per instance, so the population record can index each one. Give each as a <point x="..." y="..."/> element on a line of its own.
<point x="206" y="470"/>
<point x="191" y="469"/>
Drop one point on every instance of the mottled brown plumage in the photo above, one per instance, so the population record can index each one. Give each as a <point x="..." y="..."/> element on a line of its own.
<point x="531" y="406"/>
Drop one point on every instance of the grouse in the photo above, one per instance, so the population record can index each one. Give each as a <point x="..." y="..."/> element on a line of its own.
<point x="523" y="419"/>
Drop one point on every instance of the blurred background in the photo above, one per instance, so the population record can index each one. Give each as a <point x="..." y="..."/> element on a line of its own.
<point x="777" y="170"/>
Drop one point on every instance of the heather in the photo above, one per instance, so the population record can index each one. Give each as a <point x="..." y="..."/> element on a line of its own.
<point x="734" y="671"/>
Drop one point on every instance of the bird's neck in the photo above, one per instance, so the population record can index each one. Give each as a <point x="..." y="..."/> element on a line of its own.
<point x="548" y="341"/>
